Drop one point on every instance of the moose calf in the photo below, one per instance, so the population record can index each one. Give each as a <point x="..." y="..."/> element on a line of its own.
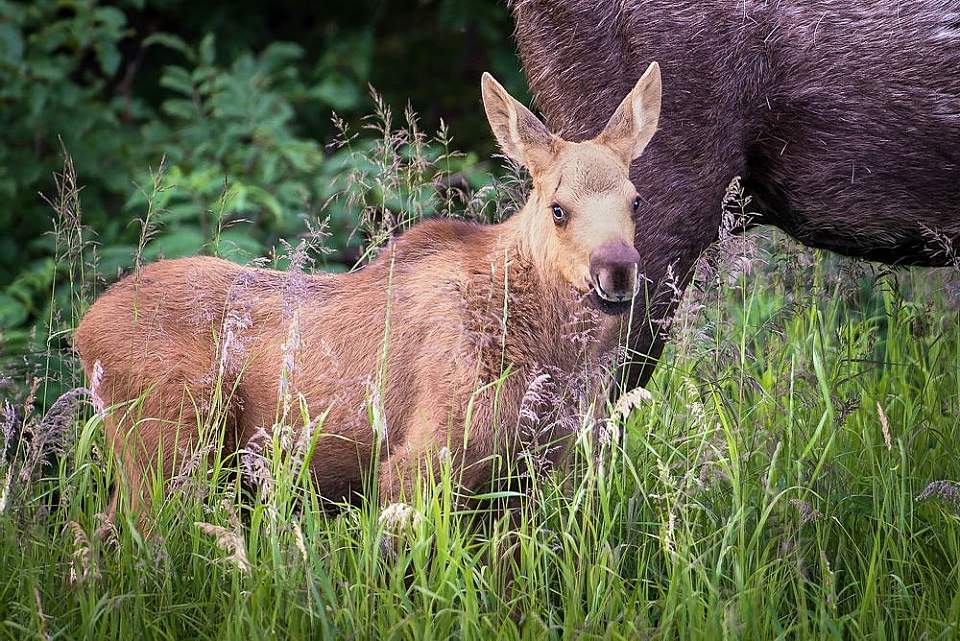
<point x="481" y="339"/>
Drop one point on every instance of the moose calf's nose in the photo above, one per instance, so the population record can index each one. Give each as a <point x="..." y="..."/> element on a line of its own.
<point x="613" y="268"/>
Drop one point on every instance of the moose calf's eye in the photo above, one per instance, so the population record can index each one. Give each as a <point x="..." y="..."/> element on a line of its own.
<point x="636" y="203"/>
<point x="559" y="216"/>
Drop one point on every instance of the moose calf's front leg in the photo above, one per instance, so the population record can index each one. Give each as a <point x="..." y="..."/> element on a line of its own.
<point x="410" y="465"/>
<point x="407" y="469"/>
<point x="398" y="476"/>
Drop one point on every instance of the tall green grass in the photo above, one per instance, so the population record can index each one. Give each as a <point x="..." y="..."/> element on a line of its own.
<point x="791" y="478"/>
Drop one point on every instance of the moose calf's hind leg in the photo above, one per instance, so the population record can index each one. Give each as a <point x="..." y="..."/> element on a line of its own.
<point x="136" y="450"/>
<point x="152" y="442"/>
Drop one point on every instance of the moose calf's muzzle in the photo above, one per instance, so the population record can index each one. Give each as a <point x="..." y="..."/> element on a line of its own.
<point x="613" y="270"/>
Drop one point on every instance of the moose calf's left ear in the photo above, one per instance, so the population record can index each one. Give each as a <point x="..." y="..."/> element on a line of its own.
<point x="635" y="121"/>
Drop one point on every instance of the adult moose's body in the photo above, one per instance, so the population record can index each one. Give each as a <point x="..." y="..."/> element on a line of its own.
<point x="842" y="117"/>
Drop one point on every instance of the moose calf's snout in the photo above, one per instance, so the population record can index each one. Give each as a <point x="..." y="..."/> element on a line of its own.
<point x="613" y="269"/>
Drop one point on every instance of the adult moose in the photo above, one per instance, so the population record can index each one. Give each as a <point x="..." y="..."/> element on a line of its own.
<point x="841" y="116"/>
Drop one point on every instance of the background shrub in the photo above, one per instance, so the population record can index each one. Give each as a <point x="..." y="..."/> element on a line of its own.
<point x="219" y="117"/>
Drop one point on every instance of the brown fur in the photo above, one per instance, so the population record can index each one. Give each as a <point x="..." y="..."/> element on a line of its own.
<point x="423" y="327"/>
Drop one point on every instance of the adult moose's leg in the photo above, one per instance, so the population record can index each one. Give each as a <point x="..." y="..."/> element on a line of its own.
<point x="669" y="249"/>
<point x="580" y="57"/>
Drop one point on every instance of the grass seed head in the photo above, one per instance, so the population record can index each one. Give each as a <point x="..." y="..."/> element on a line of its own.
<point x="943" y="490"/>
<point x="228" y="540"/>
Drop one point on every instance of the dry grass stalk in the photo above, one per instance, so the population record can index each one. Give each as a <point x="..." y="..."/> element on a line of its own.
<point x="630" y="401"/>
<point x="808" y="513"/>
<point x="397" y="520"/>
<point x="228" y="540"/>
<point x="83" y="565"/>
<point x="943" y="490"/>
<point x="884" y="426"/>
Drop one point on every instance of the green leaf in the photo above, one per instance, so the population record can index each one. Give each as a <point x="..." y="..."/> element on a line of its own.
<point x="113" y="19"/>
<point x="267" y="200"/>
<point x="282" y="52"/>
<point x="238" y="245"/>
<point x="208" y="51"/>
<point x="11" y="44"/>
<point x="109" y="57"/>
<point x="340" y="93"/>
<point x="115" y="259"/>
<point x="175" y="243"/>
<point x="12" y="312"/>
<point x="180" y="108"/>
<point x="170" y="41"/>
<point x="177" y="79"/>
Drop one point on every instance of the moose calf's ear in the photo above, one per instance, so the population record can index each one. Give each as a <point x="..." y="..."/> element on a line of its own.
<point x="635" y="121"/>
<point x="521" y="135"/>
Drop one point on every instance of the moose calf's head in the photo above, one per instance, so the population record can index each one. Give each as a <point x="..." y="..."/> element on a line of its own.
<point x="578" y="221"/>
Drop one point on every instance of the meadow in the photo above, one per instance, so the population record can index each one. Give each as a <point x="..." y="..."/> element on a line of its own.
<point x="791" y="472"/>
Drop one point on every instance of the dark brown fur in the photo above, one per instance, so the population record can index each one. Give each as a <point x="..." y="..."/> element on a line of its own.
<point x="842" y="117"/>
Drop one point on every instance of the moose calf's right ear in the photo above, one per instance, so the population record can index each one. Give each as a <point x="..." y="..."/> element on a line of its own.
<point x="521" y="135"/>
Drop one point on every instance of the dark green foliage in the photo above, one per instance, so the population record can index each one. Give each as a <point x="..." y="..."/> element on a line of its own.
<point x="220" y="115"/>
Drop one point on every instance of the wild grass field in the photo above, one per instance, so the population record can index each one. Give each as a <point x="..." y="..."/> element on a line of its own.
<point x="793" y="474"/>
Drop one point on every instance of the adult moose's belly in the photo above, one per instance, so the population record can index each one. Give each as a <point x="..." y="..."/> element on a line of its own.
<point x="857" y="140"/>
<point x="836" y="178"/>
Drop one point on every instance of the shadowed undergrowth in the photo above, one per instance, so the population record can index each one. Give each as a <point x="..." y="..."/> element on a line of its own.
<point x="793" y="476"/>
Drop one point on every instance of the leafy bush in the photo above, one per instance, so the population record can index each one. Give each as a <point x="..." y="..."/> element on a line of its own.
<point x="220" y="147"/>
